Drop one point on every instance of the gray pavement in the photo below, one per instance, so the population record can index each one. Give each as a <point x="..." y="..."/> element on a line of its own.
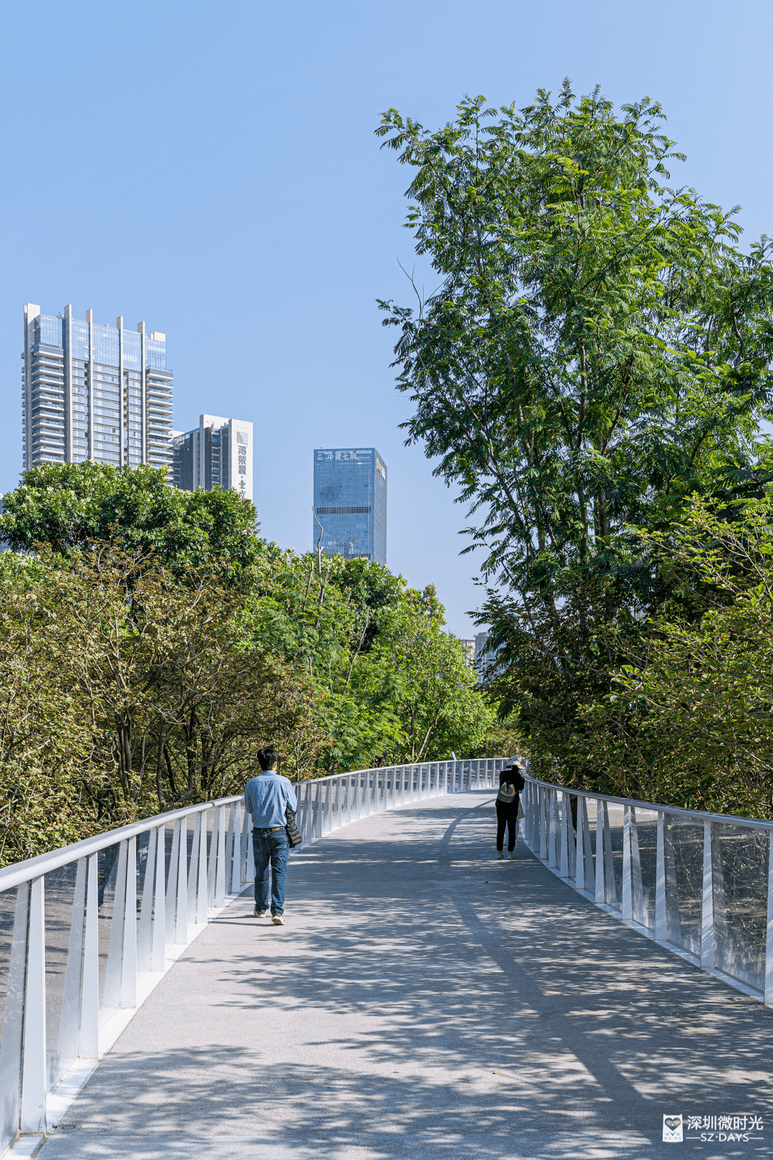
<point x="425" y="1002"/>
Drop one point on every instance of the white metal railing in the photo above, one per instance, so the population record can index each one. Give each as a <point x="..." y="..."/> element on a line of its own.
<point x="699" y="884"/>
<point x="86" y="931"/>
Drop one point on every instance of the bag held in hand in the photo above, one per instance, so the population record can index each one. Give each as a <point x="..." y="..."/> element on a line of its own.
<point x="293" y="834"/>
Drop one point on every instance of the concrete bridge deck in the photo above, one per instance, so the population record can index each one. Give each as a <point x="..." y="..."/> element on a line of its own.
<point x="425" y="1002"/>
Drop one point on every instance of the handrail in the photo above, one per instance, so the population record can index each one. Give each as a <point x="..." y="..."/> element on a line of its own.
<point x="122" y="906"/>
<point x="734" y="819"/>
<point x="699" y="884"/>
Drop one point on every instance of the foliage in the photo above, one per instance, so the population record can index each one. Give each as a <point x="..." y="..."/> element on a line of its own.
<point x="598" y="350"/>
<point x="693" y="706"/>
<point x="82" y="506"/>
<point x="150" y="645"/>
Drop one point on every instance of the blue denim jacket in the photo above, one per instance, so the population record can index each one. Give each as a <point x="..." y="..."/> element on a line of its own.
<point x="267" y="797"/>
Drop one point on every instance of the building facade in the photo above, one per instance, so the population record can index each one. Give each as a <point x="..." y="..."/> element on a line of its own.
<point x="350" y="502"/>
<point x="217" y="453"/>
<point x="94" y="392"/>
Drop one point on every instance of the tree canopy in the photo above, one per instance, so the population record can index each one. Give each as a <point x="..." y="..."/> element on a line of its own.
<point x="597" y="352"/>
<point x="81" y="506"/>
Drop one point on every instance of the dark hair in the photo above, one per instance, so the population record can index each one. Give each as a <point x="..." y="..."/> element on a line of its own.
<point x="508" y="774"/>
<point x="267" y="757"/>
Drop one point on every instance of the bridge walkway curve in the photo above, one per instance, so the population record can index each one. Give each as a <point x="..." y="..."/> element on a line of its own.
<point x="425" y="1002"/>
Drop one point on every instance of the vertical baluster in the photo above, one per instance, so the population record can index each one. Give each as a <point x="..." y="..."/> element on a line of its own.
<point x="600" y="895"/>
<point x="543" y="824"/>
<point x="171" y="884"/>
<point x="220" y="871"/>
<point x="160" y="921"/>
<point x="637" y="888"/>
<point x="193" y="869"/>
<point x="246" y="842"/>
<point x="579" y="859"/>
<point x="661" y="921"/>
<point x="71" y="997"/>
<point x="627" y="901"/>
<point x="34" y="1077"/>
<point x="13" y="1010"/>
<point x="88" y="1035"/>
<point x="181" y="931"/>
<point x="129" y="959"/>
<point x="115" y="947"/>
<point x="230" y="861"/>
<point x="769" y="928"/>
<point x="565" y="810"/>
<point x="707" y="908"/>
<point x="146" y="906"/>
<point x="609" y="866"/>
<point x="202" y="894"/>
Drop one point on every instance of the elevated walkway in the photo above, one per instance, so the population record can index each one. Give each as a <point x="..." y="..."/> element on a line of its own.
<point x="425" y="1002"/>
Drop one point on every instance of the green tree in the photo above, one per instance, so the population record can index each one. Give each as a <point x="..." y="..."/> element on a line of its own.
<point x="82" y="506"/>
<point x="597" y="350"/>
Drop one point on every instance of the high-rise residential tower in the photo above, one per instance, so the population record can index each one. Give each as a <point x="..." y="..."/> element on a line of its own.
<point x="94" y="392"/>
<point x="217" y="452"/>
<point x="350" y="502"/>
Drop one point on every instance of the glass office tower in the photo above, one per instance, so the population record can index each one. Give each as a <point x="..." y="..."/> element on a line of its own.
<point x="217" y="453"/>
<point x="350" y="502"/>
<point x="94" y="392"/>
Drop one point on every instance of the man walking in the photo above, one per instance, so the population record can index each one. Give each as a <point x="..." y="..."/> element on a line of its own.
<point x="267" y="797"/>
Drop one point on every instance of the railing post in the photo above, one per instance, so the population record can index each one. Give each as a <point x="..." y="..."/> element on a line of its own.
<point x="13" y="1010"/>
<point x="160" y="924"/>
<point x="182" y="934"/>
<point x="129" y="958"/>
<point x="34" y="1077"/>
<point x="579" y="856"/>
<point x="71" y="998"/>
<point x="171" y="885"/>
<point x="599" y="893"/>
<point x="627" y="900"/>
<point x="113" y="970"/>
<point x="661" y="920"/>
<point x="565" y="808"/>
<point x="769" y="930"/>
<point x="230" y="847"/>
<point x="202" y="893"/>
<point x="707" y="908"/>
<point x="220" y="872"/>
<point x="193" y="869"/>
<point x="609" y="865"/>
<point x="88" y="1035"/>
<point x="543" y="823"/>
<point x="146" y="906"/>
<point x="552" y="826"/>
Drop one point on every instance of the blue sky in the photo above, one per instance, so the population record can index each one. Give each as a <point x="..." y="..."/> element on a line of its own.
<point x="212" y="169"/>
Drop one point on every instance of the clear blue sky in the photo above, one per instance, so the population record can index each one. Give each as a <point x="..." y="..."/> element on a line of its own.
<point x="212" y="169"/>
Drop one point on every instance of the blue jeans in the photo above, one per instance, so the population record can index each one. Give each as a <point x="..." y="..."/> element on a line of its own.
<point x="270" y="848"/>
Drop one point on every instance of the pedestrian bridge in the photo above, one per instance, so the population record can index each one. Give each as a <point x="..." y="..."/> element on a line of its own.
<point x="423" y="1001"/>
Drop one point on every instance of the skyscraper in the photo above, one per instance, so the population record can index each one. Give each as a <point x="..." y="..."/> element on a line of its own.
<point x="217" y="452"/>
<point x="94" y="392"/>
<point x="350" y="502"/>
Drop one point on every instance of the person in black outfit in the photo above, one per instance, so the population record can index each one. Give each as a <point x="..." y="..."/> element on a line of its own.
<point x="508" y="799"/>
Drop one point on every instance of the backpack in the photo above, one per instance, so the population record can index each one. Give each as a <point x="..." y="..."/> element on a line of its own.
<point x="507" y="792"/>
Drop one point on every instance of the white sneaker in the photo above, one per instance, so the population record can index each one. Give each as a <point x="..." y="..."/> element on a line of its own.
<point x="277" y="920"/>
<point x="500" y="854"/>
<point x="511" y="854"/>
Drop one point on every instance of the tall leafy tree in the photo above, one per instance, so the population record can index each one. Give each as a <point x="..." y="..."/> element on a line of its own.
<point x="597" y="349"/>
